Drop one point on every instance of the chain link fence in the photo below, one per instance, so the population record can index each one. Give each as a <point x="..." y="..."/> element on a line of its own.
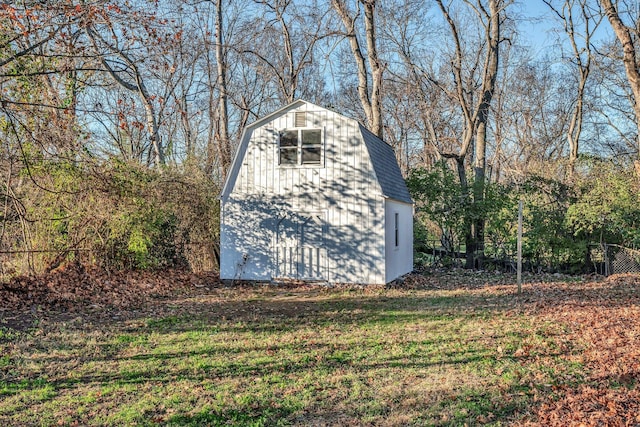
<point x="611" y="259"/>
<point x="604" y="259"/>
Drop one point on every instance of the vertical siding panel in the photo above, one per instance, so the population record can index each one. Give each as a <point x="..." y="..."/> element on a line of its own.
<point x="262" y="162"/>
<point x="287" y="183"/>
<point x="243" y="181"/>
<point x="322" y="176"/>
<point x="251" y="181"/>
<point x="363" y="207"/>
<point x="338" y="136"/>
<point x="264" y="165"/>
<point x="275" y="178"/>
<point x="268" y="161"/>
<point x="274" y="161"/>
<point x="248" y="163"/>
<point x="275" y="185"/>
<point x="344" y="205"/>
<point x="278" y="172"/>
<point x="330" y="215"/>
<point x="344" y="189"/>
<point x="238" y="187"/>
<point x="354" y="163"/>
<point x="288" y="178"/>
<point x="274" y="168"/>
<point x="255" y="178"/>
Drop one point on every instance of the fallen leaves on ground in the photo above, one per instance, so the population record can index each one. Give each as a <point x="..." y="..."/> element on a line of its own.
<point x="601" y="318"/>
<point x="76" y="287"/>
<point x="602" y="322"/>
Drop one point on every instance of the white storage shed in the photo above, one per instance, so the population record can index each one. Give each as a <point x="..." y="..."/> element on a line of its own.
<point x="313" y="195"/>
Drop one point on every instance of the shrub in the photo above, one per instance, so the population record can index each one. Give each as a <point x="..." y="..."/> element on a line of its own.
<point x="120" y="215"/>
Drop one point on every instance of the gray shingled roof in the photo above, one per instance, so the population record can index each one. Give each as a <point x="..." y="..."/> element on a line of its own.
<point x="386" y="167"/>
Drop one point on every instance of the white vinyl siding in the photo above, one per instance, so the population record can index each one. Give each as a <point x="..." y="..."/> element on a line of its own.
<point x="343" y="188"/>
<point x="398" y="228"/>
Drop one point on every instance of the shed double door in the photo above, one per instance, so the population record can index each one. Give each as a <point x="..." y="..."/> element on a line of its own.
<point x="299" y="250"/>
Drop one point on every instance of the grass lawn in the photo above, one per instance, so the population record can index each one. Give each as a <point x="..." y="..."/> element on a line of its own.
<point x="265" y="355"/>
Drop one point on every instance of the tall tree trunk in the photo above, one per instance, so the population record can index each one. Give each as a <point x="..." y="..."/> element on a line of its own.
<point x="376" y="68"/>
<point x="224" y="144"/>
<point x="475" y="117"/>
<point x="479" y="169"/>
<point x="575" y="124"/>
<point x="470" y="241"/>
<point x="290" y="84"/>
<point x="371" y="103"/>
<point x="152" y="124"/>
<point x="488" y="89"/>
<point x="186" y="124"/>
<point x="629" y="58"/>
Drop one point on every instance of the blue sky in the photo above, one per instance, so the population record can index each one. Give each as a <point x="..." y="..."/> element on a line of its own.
<point x="538" y="25"/>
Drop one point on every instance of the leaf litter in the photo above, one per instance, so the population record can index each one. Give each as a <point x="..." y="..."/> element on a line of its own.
<point x="600" y="320"/>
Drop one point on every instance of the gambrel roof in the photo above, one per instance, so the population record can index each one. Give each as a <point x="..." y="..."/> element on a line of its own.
<point x="382" y="157"/>
<point x="386" y="167"/>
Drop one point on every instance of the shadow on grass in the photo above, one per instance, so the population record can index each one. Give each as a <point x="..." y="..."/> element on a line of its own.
<point x="255" y="416"/>
<point x="286" y="315"/>
<point x="267" y="320"/>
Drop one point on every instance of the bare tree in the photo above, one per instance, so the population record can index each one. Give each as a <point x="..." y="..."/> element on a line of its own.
<point x="285" y="41"/>
<point x="475" y="110"/>
<point x="224" y="146"/>
<point x="125" y="71"/>
<point x="579" y="23"/>
<point x="370" y="97"/>
<point x="531" y="113"/>
<point x="628" y="35"/>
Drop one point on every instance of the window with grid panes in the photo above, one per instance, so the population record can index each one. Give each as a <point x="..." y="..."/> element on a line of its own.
<point x="301" y="147"/>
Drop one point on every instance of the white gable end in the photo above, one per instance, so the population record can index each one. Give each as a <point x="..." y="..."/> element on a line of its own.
<point x="303" y="201"/>
<point x="346" y="166"/>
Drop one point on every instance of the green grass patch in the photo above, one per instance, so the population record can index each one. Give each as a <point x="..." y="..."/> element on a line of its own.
<point x="288" y="357"/>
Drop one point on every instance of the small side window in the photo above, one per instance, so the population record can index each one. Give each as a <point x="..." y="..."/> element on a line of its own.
<point x="397" y="228"/>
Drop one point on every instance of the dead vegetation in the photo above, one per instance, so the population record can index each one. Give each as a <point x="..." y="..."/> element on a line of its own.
<point x="601" y="318"/>
<point x="75" y="287"/>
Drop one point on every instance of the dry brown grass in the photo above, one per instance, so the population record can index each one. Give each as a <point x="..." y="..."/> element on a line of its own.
<point x="443" y="349"/>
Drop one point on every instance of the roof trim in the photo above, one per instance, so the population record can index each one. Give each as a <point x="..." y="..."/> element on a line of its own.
<point x="261" y="120"/>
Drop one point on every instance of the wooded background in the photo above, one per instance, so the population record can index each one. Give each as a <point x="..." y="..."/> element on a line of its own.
<point x="119" y="119"/>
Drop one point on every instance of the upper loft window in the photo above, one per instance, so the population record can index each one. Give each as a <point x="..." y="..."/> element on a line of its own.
<point x="301" y="147"/>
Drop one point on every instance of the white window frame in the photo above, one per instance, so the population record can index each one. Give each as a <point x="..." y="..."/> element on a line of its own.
<point x="298" y="163"/>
